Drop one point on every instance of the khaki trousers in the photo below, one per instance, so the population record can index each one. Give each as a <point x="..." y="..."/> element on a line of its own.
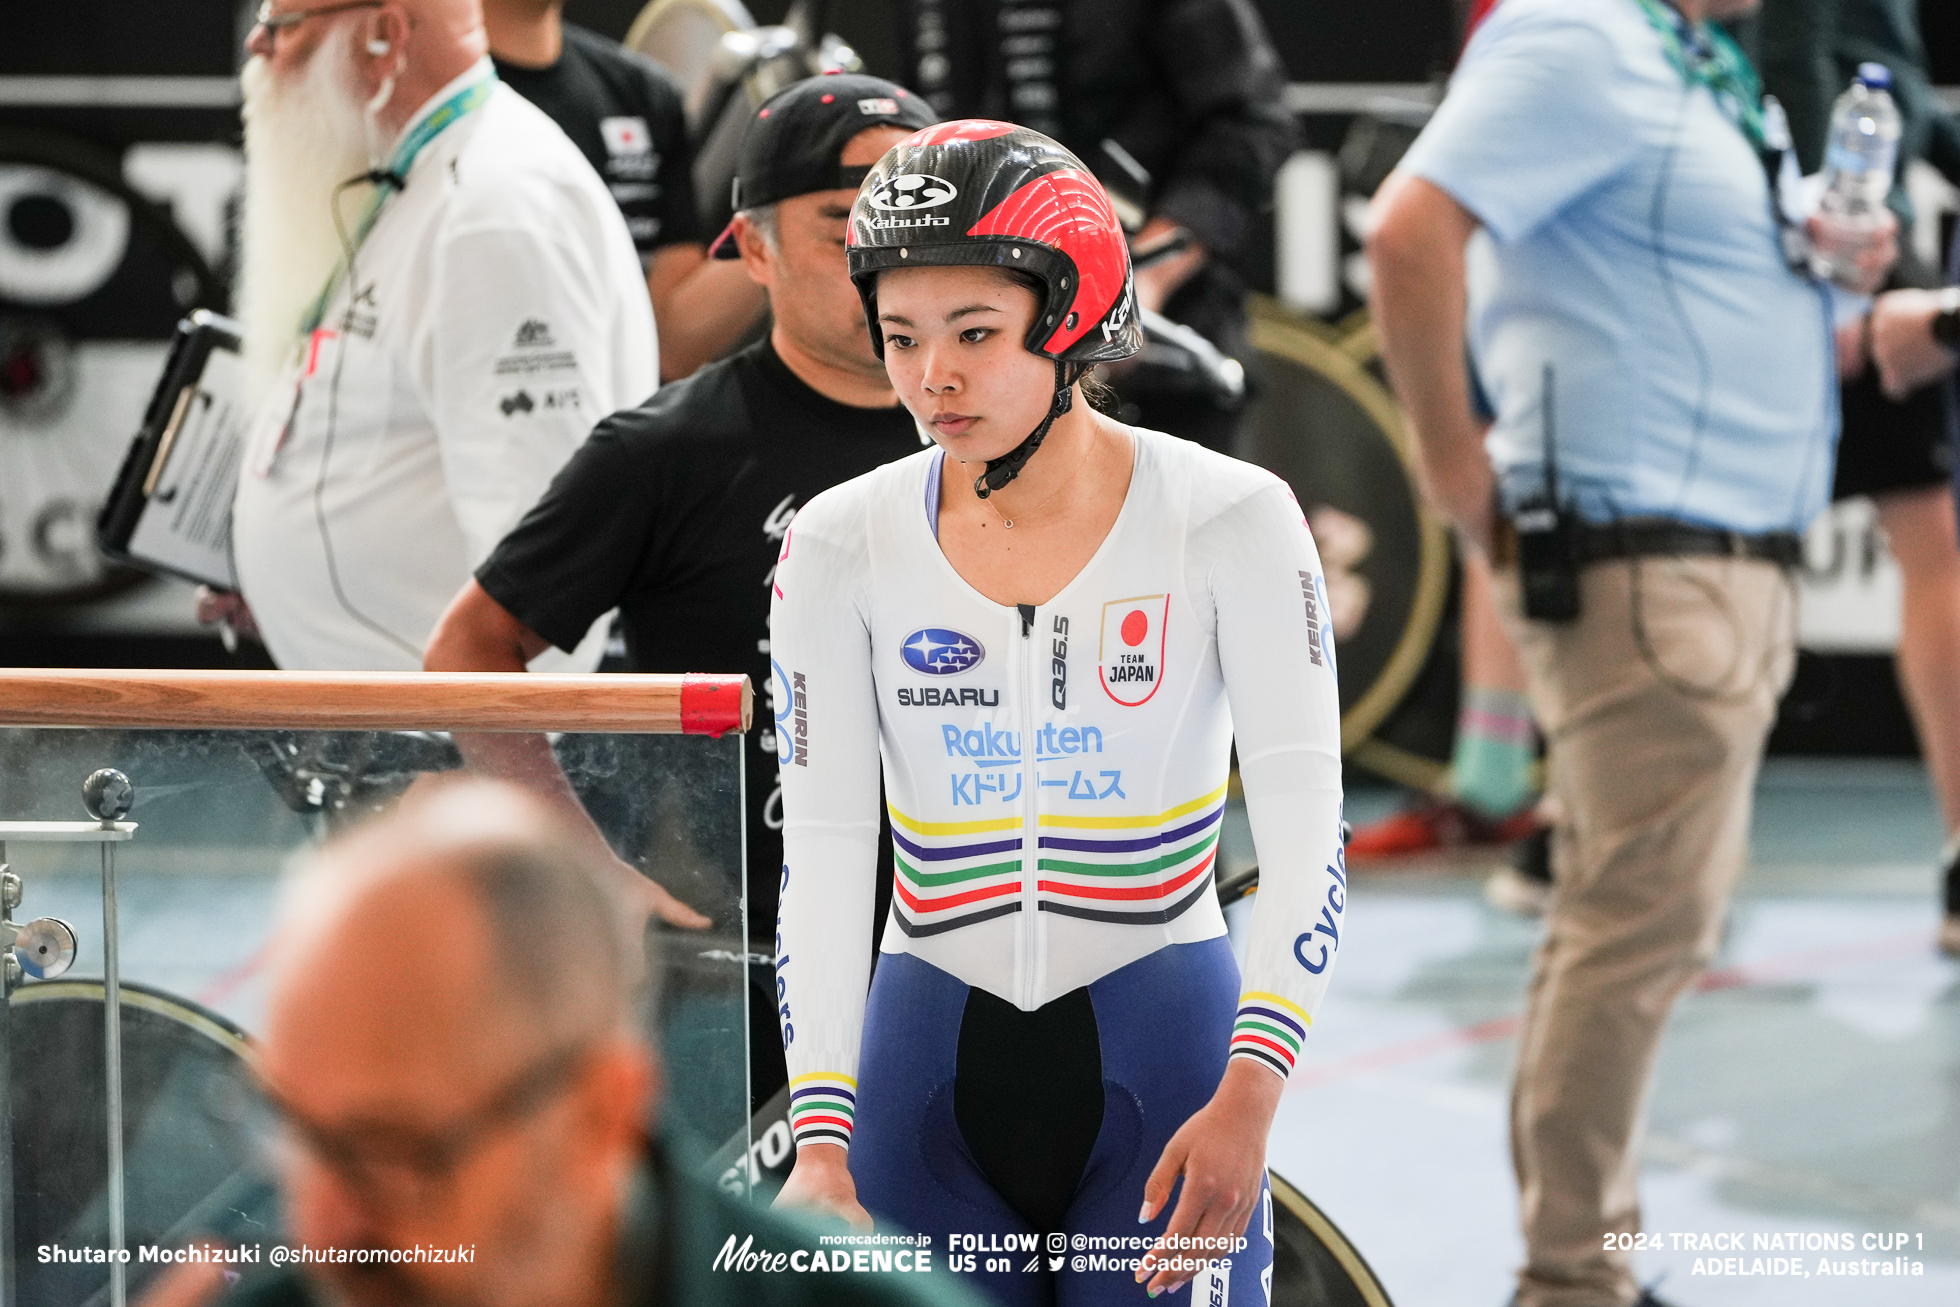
<point x="1654" y="705"/>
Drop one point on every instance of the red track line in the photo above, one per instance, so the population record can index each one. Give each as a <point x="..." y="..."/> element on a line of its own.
<point x="1787" y="967"/>
<point x="1796" y="966"/>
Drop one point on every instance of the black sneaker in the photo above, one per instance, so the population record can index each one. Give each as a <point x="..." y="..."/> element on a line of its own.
<point x="1950" y="927"/>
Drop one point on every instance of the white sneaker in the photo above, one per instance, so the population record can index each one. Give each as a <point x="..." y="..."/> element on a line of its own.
<point x="1510" y="890"/>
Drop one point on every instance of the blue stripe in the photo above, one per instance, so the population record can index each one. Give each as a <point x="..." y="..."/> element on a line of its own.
<point x="1280" y="1017"/>
<point x="1132" y="846"/>
<point x="954" y="851"/>
<point x="827" y="1093"/>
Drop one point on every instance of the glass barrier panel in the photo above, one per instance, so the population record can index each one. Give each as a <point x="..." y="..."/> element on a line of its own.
<point x="219" y="819"/>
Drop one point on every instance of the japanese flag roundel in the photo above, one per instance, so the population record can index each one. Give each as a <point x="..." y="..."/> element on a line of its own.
<point x="1131" y="655"/>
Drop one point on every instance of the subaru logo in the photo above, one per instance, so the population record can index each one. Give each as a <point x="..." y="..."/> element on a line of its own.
<point x="912" y="190"/>
<point x="939" y="652"/>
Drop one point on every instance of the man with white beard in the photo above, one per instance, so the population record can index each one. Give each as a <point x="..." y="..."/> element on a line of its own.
<point x="440" y="298"/>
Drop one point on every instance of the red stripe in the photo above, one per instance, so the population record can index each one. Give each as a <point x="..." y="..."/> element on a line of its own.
<point x="1284" y="1052"/>
<point x="802" y="1121"/>
<point x="1145" y="892"/>
<point x="952" y="900"/>
<point x="711" y="705"/>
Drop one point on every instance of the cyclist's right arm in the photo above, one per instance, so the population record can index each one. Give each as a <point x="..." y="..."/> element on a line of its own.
<point x="827" y="727"/>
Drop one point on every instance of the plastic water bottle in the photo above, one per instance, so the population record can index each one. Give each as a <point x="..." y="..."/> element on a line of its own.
<point x="1859" y="160"/>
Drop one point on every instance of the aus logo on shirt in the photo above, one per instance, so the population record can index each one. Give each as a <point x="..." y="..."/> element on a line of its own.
<point x="1130" y="656"/>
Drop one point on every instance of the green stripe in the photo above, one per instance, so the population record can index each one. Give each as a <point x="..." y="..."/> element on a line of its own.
<point x="1131" y="868"/>
<point x="928" y="879"/>
<point x="1284" y="1036"/>
<point x="823" y="1105"/>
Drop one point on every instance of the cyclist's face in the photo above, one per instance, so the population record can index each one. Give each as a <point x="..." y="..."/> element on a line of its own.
<point x="953" y="349"/>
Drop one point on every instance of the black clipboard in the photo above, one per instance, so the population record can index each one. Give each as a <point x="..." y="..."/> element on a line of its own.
<point x="170" y="509"/>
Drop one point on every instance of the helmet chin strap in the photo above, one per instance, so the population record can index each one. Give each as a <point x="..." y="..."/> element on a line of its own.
<point x="1004" y="469"/>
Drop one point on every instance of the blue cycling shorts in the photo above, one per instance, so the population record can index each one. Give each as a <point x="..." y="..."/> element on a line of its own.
<point x="1020" y="1142"/>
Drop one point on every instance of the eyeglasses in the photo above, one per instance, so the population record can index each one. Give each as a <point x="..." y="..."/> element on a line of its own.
<point x="393" y="1169"/>
<point x="275" y="23"/>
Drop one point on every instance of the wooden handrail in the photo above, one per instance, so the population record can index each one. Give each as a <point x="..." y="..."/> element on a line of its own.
<point x="376" y="701"/>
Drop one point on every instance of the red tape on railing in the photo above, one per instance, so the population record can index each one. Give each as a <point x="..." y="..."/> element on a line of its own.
<point x="710" y="705"/>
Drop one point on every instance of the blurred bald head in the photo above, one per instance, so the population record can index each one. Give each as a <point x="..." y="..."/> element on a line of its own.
<point x="455" y="971"/>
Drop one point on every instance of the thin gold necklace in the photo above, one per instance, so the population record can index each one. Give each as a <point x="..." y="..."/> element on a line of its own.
<point x="1008" y="522"/>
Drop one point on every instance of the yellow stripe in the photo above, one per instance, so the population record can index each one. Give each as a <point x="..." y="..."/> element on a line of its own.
<point x="953" y="827"/>
<point x="825" y="1075"/>
<point x="1261" y="996"/>
<point x="1131" y="823"/>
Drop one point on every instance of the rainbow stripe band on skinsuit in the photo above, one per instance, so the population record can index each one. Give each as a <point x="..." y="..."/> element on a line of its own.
<point x="822" y="1109"/>
<point x="1138" y="870"/>
<point x="1158" y="865"/>
<point x="1269" y="1030"/>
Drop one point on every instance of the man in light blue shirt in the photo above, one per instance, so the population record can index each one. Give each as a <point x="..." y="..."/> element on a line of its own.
<point x="1630" y="247"/>
<point x="1662" y="372"/>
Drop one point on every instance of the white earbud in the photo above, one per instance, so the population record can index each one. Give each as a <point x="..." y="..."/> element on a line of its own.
<point x="377" y="47"/>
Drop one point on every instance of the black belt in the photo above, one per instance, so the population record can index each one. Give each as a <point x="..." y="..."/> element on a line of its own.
<point x="1652" y="537"/>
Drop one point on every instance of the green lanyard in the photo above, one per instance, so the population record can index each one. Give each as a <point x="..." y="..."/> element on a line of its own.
<point x="1705" y="54"/>
<point x="469" y="98"/>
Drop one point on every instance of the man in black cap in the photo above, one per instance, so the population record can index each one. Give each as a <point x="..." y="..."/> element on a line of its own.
<point x="674" y="512"/>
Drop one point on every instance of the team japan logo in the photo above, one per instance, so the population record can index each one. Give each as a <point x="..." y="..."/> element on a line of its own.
<point x="1130" y="656"/>
<point x="936" y="651"/>
<point x="912" y="190"/>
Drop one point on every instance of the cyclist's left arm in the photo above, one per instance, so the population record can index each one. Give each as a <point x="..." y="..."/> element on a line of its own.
<point x="1277" y="657"/>
<point x="1276" y="649"/>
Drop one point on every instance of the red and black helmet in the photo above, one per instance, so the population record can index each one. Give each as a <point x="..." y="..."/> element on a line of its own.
<point x="991" y="194"/>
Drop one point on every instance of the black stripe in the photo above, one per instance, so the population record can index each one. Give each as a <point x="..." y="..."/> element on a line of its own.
<point x="1148" y="917"/>
<point x="1241" y="1050"/>
<point x="941" y="927"/>
<point x="821" y="1134"/>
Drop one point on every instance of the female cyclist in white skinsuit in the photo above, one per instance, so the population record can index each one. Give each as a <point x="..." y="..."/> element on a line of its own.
<point x="1053" y="654"/>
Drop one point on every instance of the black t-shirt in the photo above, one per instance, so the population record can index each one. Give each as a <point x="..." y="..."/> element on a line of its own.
<point x="674" y="512"/>
<point x="624" y="113"/>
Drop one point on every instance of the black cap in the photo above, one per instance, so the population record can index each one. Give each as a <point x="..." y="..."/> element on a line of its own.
<point x="793" y="143"/>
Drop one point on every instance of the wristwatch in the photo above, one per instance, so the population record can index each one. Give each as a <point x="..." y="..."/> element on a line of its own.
<point x="1946" y="323"/>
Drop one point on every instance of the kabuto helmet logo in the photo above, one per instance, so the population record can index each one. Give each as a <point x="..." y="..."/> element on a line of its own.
<point x="912" y="190"/>
<point x="936" y="651"/>
<point x="1130" y="655"/>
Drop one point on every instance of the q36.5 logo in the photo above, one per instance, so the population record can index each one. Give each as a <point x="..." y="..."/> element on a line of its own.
<point x="936" y="651"/>
<point x="912" y="190"/>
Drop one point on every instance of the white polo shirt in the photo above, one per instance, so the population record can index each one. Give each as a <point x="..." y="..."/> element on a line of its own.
<point x="497" y="313"/>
